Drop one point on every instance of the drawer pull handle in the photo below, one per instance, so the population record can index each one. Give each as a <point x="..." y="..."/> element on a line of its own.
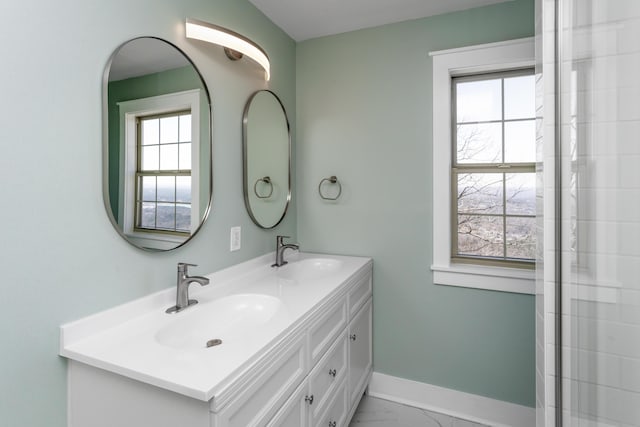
<point x="332" y="424"/>
<point x="309" y="399"/>
<point x="332" y="372"/>
<point x="352" y="337"/>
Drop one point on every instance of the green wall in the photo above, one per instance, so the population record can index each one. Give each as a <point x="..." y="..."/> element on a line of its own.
<point x="162" y="83"/>
<point x="61" y="258"/>
<point x="364" y="114"/>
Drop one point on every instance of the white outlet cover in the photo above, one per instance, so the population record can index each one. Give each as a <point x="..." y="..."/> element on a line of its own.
<point x="235" y="240"/>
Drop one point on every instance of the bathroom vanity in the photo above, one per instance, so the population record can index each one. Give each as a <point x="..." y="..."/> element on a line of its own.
<point x="287" y="346"/>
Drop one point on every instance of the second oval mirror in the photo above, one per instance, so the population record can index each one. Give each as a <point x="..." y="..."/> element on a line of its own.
<point x="267" y="159"/>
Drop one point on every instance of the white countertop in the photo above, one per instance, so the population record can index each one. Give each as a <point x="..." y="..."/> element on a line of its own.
<point x="123" y="340"/>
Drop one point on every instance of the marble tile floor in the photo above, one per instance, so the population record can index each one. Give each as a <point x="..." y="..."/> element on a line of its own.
<point x="374" y="412"/>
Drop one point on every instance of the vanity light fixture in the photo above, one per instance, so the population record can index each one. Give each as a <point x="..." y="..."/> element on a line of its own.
<point x="235" y="44"/>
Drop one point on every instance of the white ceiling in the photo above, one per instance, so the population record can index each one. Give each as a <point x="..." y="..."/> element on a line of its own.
<point x="307" y="19"/>
<point x="145" y="55"/>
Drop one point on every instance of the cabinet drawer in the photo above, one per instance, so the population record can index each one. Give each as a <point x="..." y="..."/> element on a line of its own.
<point x="261" y="398"/>
<point x="359" y="294"/>
<point x="336" y="413"/>
<point x="325" y="329"/>
<point x="326" y="377"/>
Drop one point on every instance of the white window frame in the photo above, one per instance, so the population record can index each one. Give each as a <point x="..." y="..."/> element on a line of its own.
<point x="492" y="57"/>
<point x="129" y="111"/>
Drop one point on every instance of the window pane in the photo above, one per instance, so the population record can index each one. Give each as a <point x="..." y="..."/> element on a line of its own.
<point x="494" y="124"/>
<point x="519" y="97"/>
<point x="150" y="160"/>
<point x="166" y="216"/>
<point x="169" y="157"/>
<point x="185" y="128"/>
<point x="164" y="201"/>
<point x="185" y="156"/>
<point x="520" y="142"/>
<point x="480" y="193"/>
<point x="521" y="238"/>
<point x="168" y="129"/>
<point x="480" y="235"/>
<point x="166" y="188"/>
<point x="479" y="143"/>
<point x="148" y="215"/>
<point x="521" y="193"/>
<point x="149" y="188"/>
<point x="150" y="131"/>
<point x="479" y="101"/>
<point x="183" y="189"/>
<point x="183" y="217"/>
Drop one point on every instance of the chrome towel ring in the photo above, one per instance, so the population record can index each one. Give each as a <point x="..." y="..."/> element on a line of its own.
<point x="266" y="180"/>
<point x="331" y="180"/>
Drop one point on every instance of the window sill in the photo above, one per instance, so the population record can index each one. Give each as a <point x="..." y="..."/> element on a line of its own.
<point x="488" y="278"/>
<point x="151" y="241"/>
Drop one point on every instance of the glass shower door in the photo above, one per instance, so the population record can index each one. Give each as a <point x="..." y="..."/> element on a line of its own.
<point x="599" y="61"/>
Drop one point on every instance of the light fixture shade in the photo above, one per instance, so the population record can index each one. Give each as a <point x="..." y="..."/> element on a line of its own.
<point x="221" y="36"/>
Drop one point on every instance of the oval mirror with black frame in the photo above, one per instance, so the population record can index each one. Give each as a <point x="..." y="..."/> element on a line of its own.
<point x="157" y="169"/>
<point x="267" y="159"/>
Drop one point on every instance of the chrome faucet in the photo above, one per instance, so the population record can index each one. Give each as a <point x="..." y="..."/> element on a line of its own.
<point x="280" y="247"/>
<point x="184" y="280"/>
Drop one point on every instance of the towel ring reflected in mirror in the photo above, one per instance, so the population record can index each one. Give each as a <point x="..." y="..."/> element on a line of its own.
<point x="268" y="182"/>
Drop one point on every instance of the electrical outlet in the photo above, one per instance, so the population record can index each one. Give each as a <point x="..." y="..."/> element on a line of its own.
<point x="236" y="239"/>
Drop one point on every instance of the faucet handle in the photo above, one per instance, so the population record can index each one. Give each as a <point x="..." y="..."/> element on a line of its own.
<point x="183" y="267"/>
<point x="281" y="238"/>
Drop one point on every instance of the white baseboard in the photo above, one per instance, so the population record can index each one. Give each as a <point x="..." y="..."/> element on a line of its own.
<point x="458" y="404"/>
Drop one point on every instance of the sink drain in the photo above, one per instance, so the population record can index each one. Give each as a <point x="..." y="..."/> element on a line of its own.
<point x="214" y="342"/>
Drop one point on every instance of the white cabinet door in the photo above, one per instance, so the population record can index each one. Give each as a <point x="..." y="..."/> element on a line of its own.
<point x="327" y="376"/>
<point x="360" y="356"/>
<point x="294" y="412"/>
<point x="260" y="399"/>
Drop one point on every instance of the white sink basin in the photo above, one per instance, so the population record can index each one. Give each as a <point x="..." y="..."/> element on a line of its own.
<point x="227" y="319"/>
<point x="309" y="268"/>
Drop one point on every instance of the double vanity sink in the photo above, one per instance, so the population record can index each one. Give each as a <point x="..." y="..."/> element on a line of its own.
<point x="286" y="346"/>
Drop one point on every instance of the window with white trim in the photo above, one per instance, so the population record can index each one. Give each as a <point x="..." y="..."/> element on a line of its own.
<point x="159" y="200"/>
<point x="484" y="166"/>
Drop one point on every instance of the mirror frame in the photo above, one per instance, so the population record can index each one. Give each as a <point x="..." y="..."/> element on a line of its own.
<point x="245" y="175"/>
<point x="105" y="145"/>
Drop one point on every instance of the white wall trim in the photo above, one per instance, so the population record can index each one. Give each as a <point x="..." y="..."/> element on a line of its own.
<point x="499" y="56"/>
<point x="519" y="281"/>
<point x="474" y="48"/>
<point x="451" y="402"/>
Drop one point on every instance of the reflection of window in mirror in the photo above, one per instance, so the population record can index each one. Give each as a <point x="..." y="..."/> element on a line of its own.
<point x="163" y="176"/>
<point x="159" y="198"/>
